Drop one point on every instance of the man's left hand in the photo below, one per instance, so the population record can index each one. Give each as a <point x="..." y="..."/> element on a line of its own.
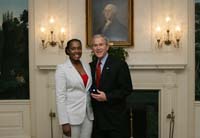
<point x="101" y="96"/>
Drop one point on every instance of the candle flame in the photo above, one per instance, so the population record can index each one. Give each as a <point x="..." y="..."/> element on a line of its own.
<point x="42" y="29"/>
<point x="51" y="20"/>
<point x="178" y="28"/>
<point x="62" y="30"/>
<point x="158" y="29"/>
<point x="167" y="19"/>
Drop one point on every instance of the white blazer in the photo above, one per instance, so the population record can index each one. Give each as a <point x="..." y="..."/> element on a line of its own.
<point x="72" y="97"/>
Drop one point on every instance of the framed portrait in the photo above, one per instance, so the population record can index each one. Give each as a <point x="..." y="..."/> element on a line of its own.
<point x="112" y="18"/>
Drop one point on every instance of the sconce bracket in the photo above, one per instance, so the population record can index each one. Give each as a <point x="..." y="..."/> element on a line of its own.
<point x="167" y="42"/>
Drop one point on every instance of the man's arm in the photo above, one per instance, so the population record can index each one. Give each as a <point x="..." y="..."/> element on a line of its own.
<point x="124" y="85"/>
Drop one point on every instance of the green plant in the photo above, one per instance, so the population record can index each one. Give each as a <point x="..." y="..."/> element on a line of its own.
<point x="119" y="52"/>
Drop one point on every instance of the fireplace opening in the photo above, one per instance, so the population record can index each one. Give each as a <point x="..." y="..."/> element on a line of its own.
<point x="144" y="115"/>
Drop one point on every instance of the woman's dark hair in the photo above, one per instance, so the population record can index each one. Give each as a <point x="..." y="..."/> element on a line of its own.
<point x="69" y="43"/>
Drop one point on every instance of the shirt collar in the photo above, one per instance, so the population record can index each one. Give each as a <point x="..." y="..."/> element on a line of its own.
<point x="103" y="60"/>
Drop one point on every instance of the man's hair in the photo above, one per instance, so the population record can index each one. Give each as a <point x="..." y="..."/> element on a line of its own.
<point x="102" y="36"/>
<point x="112" y="7"/>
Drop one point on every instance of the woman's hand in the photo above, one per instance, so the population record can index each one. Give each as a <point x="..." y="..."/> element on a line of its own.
<point x="66" y="130"/>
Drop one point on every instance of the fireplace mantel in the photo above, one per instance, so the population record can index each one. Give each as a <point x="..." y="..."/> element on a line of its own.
<point x="132" y="67"/>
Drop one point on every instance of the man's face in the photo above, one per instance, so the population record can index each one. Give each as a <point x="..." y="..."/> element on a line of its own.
<point x="99" y="47"/>
<point x="108" y="12"/>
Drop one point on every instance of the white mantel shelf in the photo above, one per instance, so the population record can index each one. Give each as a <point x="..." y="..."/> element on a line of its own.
<point x="157" y="66"/>
<point x="132" y="67"/>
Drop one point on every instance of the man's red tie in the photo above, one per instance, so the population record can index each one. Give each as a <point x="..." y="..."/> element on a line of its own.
<point x="98" y="73"/>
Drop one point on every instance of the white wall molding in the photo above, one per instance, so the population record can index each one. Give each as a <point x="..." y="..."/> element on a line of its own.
<point x="15" y="119"/>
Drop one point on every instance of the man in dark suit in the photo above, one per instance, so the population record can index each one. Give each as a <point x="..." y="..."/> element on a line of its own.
<point x="109" y="102"/>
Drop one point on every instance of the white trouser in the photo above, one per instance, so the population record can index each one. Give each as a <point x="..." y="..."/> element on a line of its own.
<point x="83" y="130"/>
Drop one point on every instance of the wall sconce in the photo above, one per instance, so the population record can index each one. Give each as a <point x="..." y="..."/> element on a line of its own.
<point x="49" y="37"/>
<point x="168" y="36"/>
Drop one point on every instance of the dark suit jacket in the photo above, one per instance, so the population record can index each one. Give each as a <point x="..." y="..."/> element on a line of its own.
<point x="116" y="83"/>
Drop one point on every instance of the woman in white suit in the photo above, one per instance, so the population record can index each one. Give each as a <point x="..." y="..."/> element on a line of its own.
<point x="73" y="80"/>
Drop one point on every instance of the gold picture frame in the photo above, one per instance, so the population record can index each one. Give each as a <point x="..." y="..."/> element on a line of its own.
<point x="113" y="18"/>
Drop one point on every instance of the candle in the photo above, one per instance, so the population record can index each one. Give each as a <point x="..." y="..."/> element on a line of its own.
<point x="158" y="33"/>
<point x="178" y="32"/>
<point x="168" y="19"/>
<point x="62" y="32"/>
<point x="43" y="32"/>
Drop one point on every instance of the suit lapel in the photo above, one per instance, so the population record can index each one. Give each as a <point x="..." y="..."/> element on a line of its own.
<point x="106" y="68"/>
<point x="89" y="76"/>
<point x="93" y="69"/>
<point x="75" y="73"/>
